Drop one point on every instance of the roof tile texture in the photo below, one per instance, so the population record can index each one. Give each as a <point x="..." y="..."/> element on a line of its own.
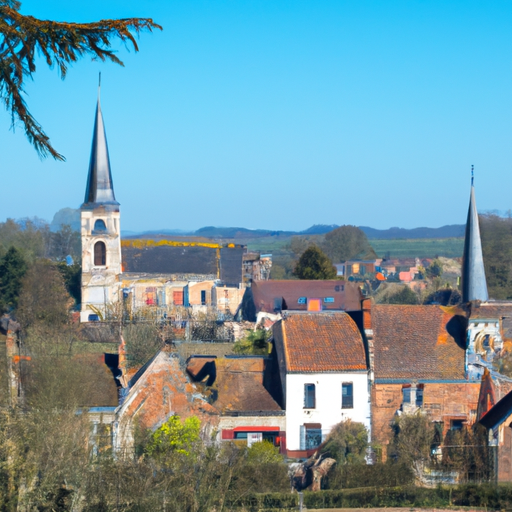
<point x="322" y="342"/>
<point x="238" y="385"/>
<point x="411" y="342"/>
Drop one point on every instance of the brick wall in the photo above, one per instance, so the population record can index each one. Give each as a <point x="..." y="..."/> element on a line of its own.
<point x="442" y="402"/>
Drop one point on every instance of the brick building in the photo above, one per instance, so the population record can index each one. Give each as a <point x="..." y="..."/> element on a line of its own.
<point x="419" y="363"/>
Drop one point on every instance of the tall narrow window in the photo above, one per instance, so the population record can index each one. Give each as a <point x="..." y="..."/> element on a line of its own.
<point x="203" y="297"/>
<point x="347" y="395"/>
<point x="309" y="396"/>
<point x="419" y="396"/>
<point x="100" y="254"/>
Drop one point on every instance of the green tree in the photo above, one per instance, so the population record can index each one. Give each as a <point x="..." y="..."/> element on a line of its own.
<point x="496" y="235"/>
<point x="347" y="443"/>
<point x="142" y="342"/>
<point x="175" y="436"/>
<point x="298" y="244"/>
<point x="414" y="435"/>
<point x="255" y="343"/>
<point x="72" y="275"/>
<point x="264" y="453"/>
<point x="435" y="269"/>
<point x="314" y="264"/>
<point x="30" y="238"/>
<point x="61" y="44"/>
<point x="12" y="269"/>
<point x="43" y="296"/>
<point x="404" y="295"/>
<point x="65" y="242"/>
<point x="347" y="242"/>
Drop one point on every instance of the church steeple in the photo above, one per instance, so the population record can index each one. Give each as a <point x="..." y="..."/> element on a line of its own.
<point x="100" y="187"/>
<point x="474" y="285"/>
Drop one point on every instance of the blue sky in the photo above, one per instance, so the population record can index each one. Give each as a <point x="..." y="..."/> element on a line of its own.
<point x="280" y="114"/>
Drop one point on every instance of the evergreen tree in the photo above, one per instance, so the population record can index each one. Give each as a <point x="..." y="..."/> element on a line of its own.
<point x="12" y="269"/>
<point x="60" y="43"/>
<point x="314" y="264"/>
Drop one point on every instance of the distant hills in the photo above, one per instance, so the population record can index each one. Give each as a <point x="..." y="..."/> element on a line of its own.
<point x="72" y="217"/>
<point x="450" y="231"/>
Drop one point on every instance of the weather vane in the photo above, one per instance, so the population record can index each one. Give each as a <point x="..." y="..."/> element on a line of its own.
<point x="472" y="174"/>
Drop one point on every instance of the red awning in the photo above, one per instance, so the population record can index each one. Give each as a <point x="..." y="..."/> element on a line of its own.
<point x="256" y="429"/>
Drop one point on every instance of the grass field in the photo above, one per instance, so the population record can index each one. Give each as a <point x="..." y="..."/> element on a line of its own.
<point x="399" y="248"/>
<point x="419" y="247"/>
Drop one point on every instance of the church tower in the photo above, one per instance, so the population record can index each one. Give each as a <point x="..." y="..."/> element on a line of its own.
<point x="100" y="231"/>
<point x="474" y="285"/>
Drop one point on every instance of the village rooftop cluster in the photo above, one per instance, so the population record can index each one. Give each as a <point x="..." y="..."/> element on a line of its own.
<point x="333" y="354"/>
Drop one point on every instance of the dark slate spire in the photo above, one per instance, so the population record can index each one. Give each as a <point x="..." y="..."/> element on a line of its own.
<point x="474" y="285"/>
<point x="100" y="187"/>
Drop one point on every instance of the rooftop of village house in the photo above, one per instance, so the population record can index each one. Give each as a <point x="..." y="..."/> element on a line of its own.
<point x="321" y="342"/>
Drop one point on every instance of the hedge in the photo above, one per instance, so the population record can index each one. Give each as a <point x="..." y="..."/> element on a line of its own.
<point x="470" y="495"/>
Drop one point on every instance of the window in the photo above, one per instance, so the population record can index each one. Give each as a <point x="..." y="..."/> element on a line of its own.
<point x="302" y="300"/>
<point x="419" y="396"/>
<point x="329" y="299"/>
<point x="309" y="396"/>
<point x="272" y="437"/>
<point x="310" y="436"/>
<point x="203" y="297"/>
<point x="347" y="395"/>
<point x="314" y="304"/>
<point x="456" y="424"/>
<point x="177" y="297"/>
<point x="313" y="438"/>
<point x="362" y="270"/>
<point x="406" y="395"/>
<point x="99" y="226"/>
<point x="150" y="296"/>
<point x="100" y="254"/>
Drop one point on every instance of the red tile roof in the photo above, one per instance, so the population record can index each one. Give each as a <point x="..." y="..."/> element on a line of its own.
<point x="411" y="342"/>
<point x="347" y="295"/>
<point x="321" y="342"/>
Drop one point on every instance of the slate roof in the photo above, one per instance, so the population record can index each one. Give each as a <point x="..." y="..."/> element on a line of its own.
<point x="100" y="187"/>
<point x="495" y="310"/>
<point x="498" y="413"/>
<point x="321" y="342"/>
<point x="237" y="383"/>
<point x="168" y="259"/>
<point x="163" y="257"/>
<point x="231" y="265"/>
<point x="347" y="295"/>
<point x="474" y="285"/>
<point x="411" y="342"/>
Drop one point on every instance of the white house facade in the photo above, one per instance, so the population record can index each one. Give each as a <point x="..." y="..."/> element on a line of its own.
<point x="324" y="376"/>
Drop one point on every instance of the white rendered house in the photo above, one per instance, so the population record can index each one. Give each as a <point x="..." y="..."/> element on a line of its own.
<point x="324" y="376"/>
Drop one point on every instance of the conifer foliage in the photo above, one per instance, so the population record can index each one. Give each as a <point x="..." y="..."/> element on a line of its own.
<point x="22" y="38"/>
<point x="314" y="264"/>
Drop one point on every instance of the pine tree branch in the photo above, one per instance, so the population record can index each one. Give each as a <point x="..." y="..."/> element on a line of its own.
<point x="22" y="38"/>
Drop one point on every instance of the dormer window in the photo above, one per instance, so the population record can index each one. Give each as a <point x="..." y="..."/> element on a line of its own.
<point x="100" y="254"/>
<point x="99" y="226"/>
